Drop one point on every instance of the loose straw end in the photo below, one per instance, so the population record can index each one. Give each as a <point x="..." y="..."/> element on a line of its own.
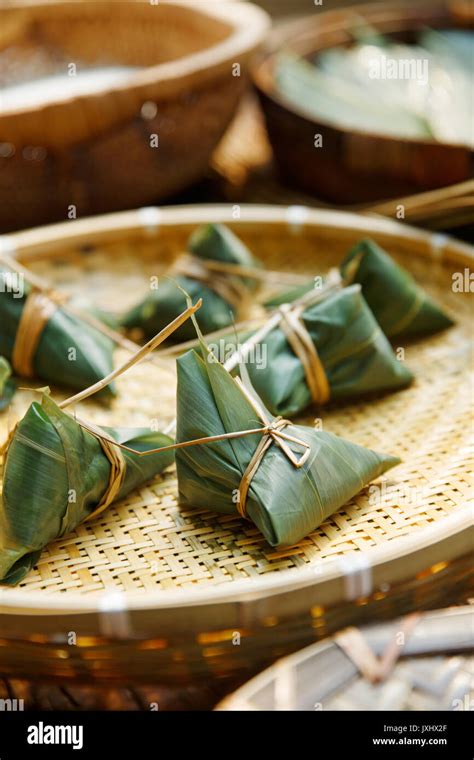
<point x="136" y="357"/>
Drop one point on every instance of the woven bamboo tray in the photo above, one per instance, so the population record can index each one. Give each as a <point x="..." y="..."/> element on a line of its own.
<point x="160" y="125"/>
<point x="152" y="589"/>
<point x="356" y="166"/>
<point x="433" y="670"/>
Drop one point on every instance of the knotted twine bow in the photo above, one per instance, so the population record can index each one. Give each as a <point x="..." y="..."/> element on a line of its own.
<point x="227" y="286"/>
<point x="272" y="433"/>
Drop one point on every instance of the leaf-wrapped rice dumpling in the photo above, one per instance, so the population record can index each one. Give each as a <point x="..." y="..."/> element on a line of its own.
<point x="59" y="473"/>
<point x="7" y="385"/>
<point x="333" y="349"/>
<point x="41" y="339"/>
<point x="225" y="296"/>
<point x="287" y="479"/>
<point x="401" y="306"/>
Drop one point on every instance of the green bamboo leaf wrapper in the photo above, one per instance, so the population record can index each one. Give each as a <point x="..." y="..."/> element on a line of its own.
<point x="7" y="385"/>
<point x="356" y="356"/>
<point x="62" y="333"/>
<point x="55" y="475"/>
<point x="401" y="306"/>
<point x="284" y="502"/>
<point x="213" y="242"/>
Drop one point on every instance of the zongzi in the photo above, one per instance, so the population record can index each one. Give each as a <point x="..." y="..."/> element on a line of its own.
<point x="41" y="339"/>
<point x="401" y="306"/>
<point x="287" y="479"/>
<point x="333" y="349"/>
<point x="58" y="473"/>
<point x="225" y="295"/>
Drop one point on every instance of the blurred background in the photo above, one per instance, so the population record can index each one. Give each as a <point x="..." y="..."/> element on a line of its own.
<point x="116" y="105"/>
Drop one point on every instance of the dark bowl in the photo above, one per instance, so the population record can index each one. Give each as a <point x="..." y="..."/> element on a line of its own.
<point x="354" y="166"/>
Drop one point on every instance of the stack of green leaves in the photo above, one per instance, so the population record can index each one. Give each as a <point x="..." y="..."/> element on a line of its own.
<point x="55" y="476"/>
<point x="285" y="494"/>
<point x="211" y="243"/>
<point x="7" y="384"/>
<point x="331" y="96"/>
<point x="369" y="86"/>
<point x="355" y="355"/>
<point x="401" y="306"/>
<point x="69" y="352"/>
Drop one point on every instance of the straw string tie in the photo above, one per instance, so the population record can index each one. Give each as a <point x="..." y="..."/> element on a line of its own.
<point x="272" y="433"/>
<point x="38" y="309"/>
<point x="301" y="343"/>
<point x="118" y="469"/>
<point x="227" y="286"/>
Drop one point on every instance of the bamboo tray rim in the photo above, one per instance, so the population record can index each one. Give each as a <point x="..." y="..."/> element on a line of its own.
<point x="145" y="222"/>
<point x="263" y="78"/>
<point x="247" y="26"/>
<point x="243" y="591"/>
<point x="241" y="698"/>
<point x="51" y="239"/>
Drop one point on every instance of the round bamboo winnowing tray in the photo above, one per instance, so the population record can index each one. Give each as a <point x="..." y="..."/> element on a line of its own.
<point x="151" y="588"/>
<point x="431" y="669"/>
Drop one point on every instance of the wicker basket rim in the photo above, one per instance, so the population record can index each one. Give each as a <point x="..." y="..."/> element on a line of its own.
<point x="455" y="526"/>
<point x="455" y="530"/>
<point x="49" y="240"/>
<point x="263" y="78"/>
<point x="248" y="25"/>
<point x="242" y="697"/>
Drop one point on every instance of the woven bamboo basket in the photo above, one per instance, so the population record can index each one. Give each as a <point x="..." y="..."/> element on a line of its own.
<point x="430" y="668"/>
<point x="152" y="590"/>
<point x="355" y="166"/>
<point x="81" y="151"/>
